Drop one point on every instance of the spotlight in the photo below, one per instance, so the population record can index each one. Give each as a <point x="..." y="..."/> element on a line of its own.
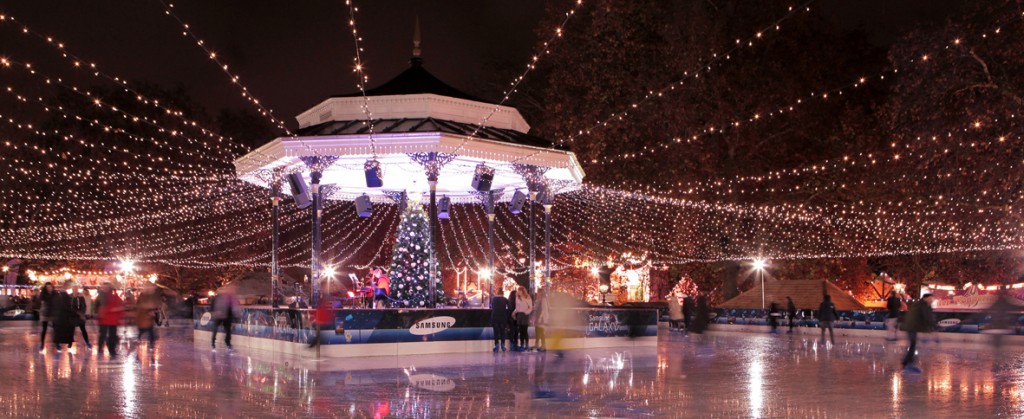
<point x="300" y="191"/>
<point x="483" y="177"/>
<point x="374" y="174"/>
<point x="443" y="206"/>
<point x="516" y="204"/>
<point x="363" y="206"/>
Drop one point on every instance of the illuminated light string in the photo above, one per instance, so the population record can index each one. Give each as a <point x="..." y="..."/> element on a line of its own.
<point x="530" y="66"/>
<point x="512" y="220"/>
<point x="474" y="262"/>
<point x="506" y="260"/>
<point x="368" y="230"/>
<point x="360" y="70"/>
<point x="380" y="248"/>
<point x="78" y="63"/>
<point x="772" y="111"/>
<point x="135" y="119"/>
<point x="235" y="79"/>
<point x="695" y="73"/>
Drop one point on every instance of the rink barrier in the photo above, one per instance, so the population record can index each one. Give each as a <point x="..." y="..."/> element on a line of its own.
<point x="948" y="322"/>
<point x="365" y="332"/>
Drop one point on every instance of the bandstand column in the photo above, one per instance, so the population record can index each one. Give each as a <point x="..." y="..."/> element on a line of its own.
<point x="314" y="177"/>
<point x="490" y="239"/>
<point x="275" y="214"/>
<point x="530" y="270"/>
<point x="432" y="180"/>
<point x="547" y="246"/>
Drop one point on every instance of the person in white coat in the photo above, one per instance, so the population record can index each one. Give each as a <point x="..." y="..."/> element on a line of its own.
<point x="521" y="317"/>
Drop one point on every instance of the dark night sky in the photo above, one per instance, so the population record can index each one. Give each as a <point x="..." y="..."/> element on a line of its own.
<point x="292" y="54"/>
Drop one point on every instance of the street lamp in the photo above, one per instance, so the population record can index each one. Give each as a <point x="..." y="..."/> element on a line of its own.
<point x="604" y="292"/>
<point x="760" y="264"/>
<point x="329" y="272"/>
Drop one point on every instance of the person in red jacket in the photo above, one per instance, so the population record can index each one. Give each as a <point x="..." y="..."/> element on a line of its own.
<point x="109" y="309"/>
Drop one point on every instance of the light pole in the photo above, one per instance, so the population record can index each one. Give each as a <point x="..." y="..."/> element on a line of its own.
<point x="760" y="265"/>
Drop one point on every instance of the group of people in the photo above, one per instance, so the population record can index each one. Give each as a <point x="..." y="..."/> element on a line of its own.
<point x="511" y="318"/>
<point x="65" y="308"/>
<point x="690" y="316"/>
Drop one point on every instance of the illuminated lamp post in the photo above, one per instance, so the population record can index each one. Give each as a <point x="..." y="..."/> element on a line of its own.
<point x="760" y="265"/>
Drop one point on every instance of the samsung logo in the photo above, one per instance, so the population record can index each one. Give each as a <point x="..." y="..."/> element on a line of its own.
<point x="432" y="325"/>
<point x="949" y="322"/>
<point x="432" y="382"/>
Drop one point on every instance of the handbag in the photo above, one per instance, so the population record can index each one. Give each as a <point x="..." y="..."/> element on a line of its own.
<point x="522" y="319"/>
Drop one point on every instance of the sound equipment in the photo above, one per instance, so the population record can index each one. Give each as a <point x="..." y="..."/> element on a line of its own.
<point x="443" y="206"/>
<point x="516" y="204"/>
<point x="374" y="174"/>
<point x="482" y="178"/>
<point x="363" y="206"/>
<point x="300" y="191"/>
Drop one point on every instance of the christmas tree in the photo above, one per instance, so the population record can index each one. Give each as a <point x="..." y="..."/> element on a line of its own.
<point x="410" y="261"/>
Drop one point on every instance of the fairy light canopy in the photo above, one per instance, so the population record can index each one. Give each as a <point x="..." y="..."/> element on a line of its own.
<point x="399" y="124"/>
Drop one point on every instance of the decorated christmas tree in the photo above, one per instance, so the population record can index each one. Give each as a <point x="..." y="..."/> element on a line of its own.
<point x="410" y="261"/>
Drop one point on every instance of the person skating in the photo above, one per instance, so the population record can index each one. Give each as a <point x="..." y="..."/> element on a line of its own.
<point x="64" y="318"/>
<point x="791" y="310"/>
<point x="919" y="319"/>
<point x="499" y="321"/>
<point x="145" y="310"/>
<point x="689" y="306"/>
<point x="893" y="304"/>
<point x="226" y="309"/>
<point x="540" y="319"/>
<point x="826" y="315"/>
<point x="524" y="307"/>
<point x="80" y="307"/>
<point x="45" y="299"/>
<point x="773" y="317"/>
<point x="109" y="308"/>
<point x="675" y="312"/>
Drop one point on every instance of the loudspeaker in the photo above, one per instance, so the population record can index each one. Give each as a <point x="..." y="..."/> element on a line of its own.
<point x="482" y="178"/>
<point x="443" y="206"/>
<point x="516" y="204"/>
<point x="300" y="191"/>
<point x="363" y="206"/>
<point x="540" y="190"/>
<point x="374" y="174"/>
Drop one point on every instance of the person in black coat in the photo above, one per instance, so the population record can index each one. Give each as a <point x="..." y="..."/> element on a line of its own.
<point x="826" y="315"/>
<point x="64" y="319"/>
<point x="513" y="331"/>
<point x="703" y="315"/>
<point x="893" y="304"/>
<point x="500" y="314"/>
<point x="791" y="309"/>
<point x="688" y="309"/>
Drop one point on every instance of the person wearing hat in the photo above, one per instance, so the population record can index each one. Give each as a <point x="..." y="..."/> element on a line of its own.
<point x="919" y="319"/>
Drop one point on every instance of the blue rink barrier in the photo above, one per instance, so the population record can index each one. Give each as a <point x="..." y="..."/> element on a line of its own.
<point x="951" y="322"/>
<point x="363" y="326"/>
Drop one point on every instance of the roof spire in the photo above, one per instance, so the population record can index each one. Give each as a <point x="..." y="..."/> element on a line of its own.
<point x="416" y="60"/>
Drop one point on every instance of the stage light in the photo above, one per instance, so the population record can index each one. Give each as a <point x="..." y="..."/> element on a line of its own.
<point x="443" y="207"/>
<point x="127" y="265"/>
<point x="516" y="204"/>
<point x="300" y="191"/>
<point x="329" y="271"/>
<point x="363" y="206"/>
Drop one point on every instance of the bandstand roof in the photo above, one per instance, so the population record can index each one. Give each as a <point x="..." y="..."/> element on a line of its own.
<point x="413" y="113"/>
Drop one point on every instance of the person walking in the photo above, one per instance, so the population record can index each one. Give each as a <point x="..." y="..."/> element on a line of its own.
<point x="80" y="308"/>
<point x="540" y="319"/>
<point x="893" y="304"/>
<point x="499" y="321"/>
<point x="791" y="310"/>
<point x="226" y="309"/>
<point x="109" y="308"/>
<point x="826" y="315"/>
<point x="524" y="307"/>
<point x="45" y="299"/>
<point x="919" y="319"/>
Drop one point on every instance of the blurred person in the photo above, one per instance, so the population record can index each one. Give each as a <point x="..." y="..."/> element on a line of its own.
<point x="145" y="311"/>
<point x="522" y="312"/>
<point x="226" y="309"/>
<point x="513" y="331"/>
<point x="689" y="306"/>
<point x="702" y="316"/>
<point x="893" y="305"/>
<point x="541" y="316"/>
<point x="791" y="310"/>
<point x="826" y="315"/>
<point x="773" y="317"/>
<point x="64" y="318"/>
<point x="675" y="311"/>
<point x="44" y="304"/>
<point x="499" y="320"/>
<point x="80" y="307"/>
<point x="1002" y="315"/>
<point x="323" y="319"/>
<point x="381" y="288"/>
<point x="109" y="309"/>
<point x="919" y="319"/>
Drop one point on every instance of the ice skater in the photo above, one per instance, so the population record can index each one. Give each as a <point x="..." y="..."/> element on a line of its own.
<point x="919" y="319"/>
<point x="499" y="321"/>
<point x="893" y="304"/>
<point x="791" y="310"/>
<point x="826" y="315"/>
<point x="521" y="314"/>
<point x="773" y="317"/>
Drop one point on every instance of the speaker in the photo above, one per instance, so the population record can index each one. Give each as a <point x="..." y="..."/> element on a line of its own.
<point x="363" y="206"/>
<point x="374" y="174"/>
<point x="541" y="190"/>
<point x="300" y="191"/>
<point x="516" y="204"/>
<point x="482" y="178"/>
<point x="443" y="206"/>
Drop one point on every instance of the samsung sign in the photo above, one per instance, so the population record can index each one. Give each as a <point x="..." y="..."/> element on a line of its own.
<point x="432" y="325"/>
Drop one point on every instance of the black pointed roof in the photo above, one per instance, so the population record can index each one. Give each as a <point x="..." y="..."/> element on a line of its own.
<point x="416" y="80"/>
